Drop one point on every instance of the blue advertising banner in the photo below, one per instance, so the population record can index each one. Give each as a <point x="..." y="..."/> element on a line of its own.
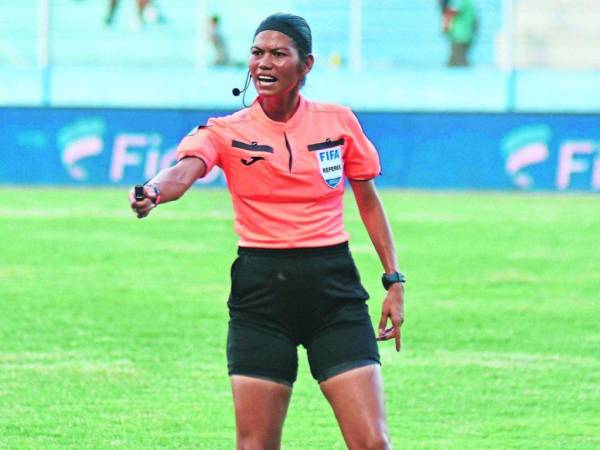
<point x="418" y="150"/>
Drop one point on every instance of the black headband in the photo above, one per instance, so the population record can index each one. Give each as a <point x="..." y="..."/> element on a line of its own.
<point x="295" y="27"/>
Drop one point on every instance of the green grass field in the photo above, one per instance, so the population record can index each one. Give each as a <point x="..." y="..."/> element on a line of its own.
<point x="112" y="329"/>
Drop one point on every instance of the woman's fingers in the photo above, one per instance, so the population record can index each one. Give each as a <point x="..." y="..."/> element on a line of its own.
<point x="384" y="318"/>
<point x="389" y="333"/>
<point x="143" y="208"/>
<point x="384" y="335"/>
<point x="140" y="208"/>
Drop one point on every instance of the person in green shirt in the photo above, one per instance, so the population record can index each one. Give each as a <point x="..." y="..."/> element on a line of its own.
<point x="459" y="23"/>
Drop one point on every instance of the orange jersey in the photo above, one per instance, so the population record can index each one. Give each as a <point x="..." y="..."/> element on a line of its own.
<point x="286" y="178"/>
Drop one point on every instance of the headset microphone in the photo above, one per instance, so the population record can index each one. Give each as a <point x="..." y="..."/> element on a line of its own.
<point x="236" y="92"/>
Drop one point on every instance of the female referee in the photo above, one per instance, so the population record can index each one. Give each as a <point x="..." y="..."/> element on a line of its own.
<point x="294" y="281"/>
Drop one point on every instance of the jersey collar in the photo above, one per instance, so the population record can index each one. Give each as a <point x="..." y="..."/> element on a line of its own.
<point x="258" y="114"/>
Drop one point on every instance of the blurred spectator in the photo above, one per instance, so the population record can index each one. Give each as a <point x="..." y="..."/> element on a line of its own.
<point x="147" y="12"/>
<point x="459" y="23"/>
<point x="218" y="42"/>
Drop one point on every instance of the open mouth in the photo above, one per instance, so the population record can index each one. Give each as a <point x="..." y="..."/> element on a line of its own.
<point x="266" y="79"/>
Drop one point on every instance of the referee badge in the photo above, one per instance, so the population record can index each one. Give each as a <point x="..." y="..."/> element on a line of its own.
<point x="329" y="155"/>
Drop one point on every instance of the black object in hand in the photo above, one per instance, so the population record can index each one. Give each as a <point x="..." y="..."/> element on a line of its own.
<point x="139" y="192"/>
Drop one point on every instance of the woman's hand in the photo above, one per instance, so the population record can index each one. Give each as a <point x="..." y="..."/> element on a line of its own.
<point x="392" y="310"/>
<point x="143" y="207"/>
<point x="173" y="181"/>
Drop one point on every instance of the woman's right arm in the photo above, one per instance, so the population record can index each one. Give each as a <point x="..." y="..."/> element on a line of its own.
<point x="172" y="184"/>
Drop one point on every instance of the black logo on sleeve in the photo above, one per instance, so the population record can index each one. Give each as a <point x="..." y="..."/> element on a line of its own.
<point x="196" y="129"/>
<point x="250" y="161"/>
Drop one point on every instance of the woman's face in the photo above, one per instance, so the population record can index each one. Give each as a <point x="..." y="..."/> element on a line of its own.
<point x="275" y="65"/>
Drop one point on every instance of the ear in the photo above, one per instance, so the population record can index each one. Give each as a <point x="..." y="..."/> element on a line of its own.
<point x="308" y="64"/>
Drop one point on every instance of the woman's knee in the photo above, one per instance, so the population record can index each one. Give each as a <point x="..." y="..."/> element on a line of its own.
<point x="255" y="442"/>
<point x="376" y="441"/>
<point x="381" y="442"/>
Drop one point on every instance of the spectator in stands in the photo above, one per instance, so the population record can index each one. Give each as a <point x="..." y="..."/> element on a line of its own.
<point x="147" y="12"/>
<point x="459" y="23"/>
<point x="216" y="38"/>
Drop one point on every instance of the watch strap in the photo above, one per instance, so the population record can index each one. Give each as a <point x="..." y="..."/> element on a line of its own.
<point x="156" y="189"/>
<point x="387" y="279"/>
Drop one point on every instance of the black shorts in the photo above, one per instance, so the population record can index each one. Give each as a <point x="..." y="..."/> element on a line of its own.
<point x="282" y="298"/>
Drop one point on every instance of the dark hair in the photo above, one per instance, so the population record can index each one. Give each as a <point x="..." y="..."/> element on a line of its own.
<point x="295" y="27"/>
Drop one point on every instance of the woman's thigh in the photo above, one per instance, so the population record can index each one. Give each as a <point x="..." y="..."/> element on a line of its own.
<point x="260" y="409"/>
<point x="356" y="397"/>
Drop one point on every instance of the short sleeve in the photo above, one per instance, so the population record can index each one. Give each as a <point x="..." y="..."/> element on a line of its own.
<point x="361" y="160"/>
<point x="201" y="143"/>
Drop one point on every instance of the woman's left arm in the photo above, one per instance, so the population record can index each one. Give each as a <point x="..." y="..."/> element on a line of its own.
<point x="378" y="227"/>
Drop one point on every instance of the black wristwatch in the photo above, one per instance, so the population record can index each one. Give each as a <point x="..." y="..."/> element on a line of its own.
<point x="387" y="279"/>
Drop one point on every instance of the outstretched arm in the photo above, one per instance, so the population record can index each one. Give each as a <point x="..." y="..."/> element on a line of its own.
<point x="378" y="227"/>
<point x="172" y="183"/>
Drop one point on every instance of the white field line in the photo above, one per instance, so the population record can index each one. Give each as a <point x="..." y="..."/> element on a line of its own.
<point x="80" y="366"/>
<point x="70" y="213"/>
<point x="36" y="356"/>
<point x="494" y="360"/>
<point x="72" y="361"/>
<point x="545" y="254"/>
<point x="513" y="275"/>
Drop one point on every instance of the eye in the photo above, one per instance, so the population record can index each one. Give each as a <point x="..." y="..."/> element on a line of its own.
<point x="255" y="52"/>
<point x="278" y="54"/>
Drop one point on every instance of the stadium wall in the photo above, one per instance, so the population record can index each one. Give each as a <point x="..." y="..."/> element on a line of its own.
<point x="489" y="151"/>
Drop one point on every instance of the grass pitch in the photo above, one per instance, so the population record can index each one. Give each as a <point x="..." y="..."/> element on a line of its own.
<point x="112" y="329"/>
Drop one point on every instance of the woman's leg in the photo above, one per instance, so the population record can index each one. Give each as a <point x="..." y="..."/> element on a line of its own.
<point x="356" y="397"/>
<point x="260" y="409"/>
